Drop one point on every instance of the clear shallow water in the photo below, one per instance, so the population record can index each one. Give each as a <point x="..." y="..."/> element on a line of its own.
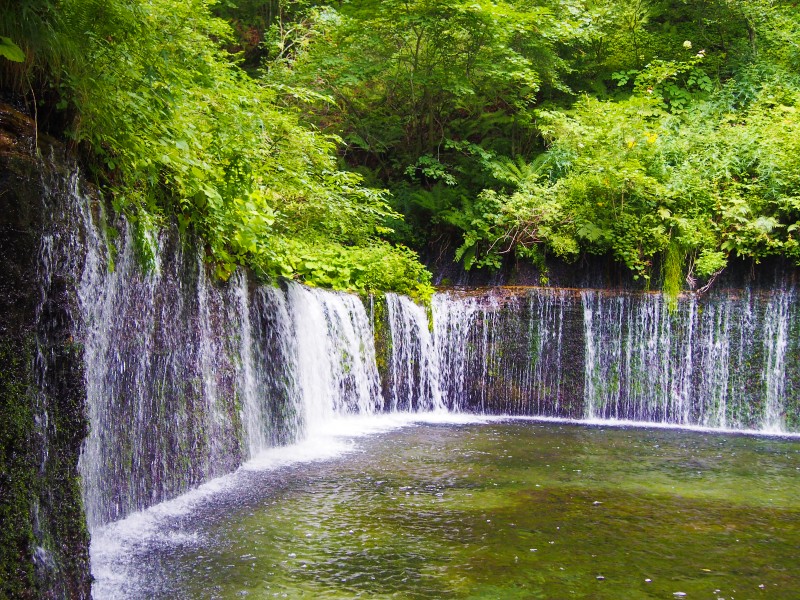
<point x="513" y="509"/>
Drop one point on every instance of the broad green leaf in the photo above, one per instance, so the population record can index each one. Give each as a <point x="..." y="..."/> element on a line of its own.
<point x="10" y="50"/>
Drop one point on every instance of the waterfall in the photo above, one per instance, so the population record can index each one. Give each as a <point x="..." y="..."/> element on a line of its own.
<point x="187" y="378"/>
<point x="249" y="379"/>
<point x="160" y="374"/>
<point x="413" y="374"/>
<point x="546" y="326"/>
<point x="777" y="319"/>
<point x="704" y="365"/>
<point x="270" y="393"/>
<point x="503" y="352"/>
<point x="336" y="369"/>
<point x="729" y="360"/>
<point x="636" y="365"/>
<point x="453" y="321"/>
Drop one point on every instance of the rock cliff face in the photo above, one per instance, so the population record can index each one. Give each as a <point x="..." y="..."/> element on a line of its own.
<point x="43" y="538"/>
<point x="591" y="272"/>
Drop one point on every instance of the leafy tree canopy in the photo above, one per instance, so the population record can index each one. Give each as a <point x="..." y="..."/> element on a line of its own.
<point x="174" y="128"/>
<point x="317" y="140"/>
<point x="647" y="130"/>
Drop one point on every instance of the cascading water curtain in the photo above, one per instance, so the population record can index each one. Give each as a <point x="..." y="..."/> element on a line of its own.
<point x="160" y="373"/>
<point x="453" y="319"/>
<point x="509" y="353"/>
<point x="727" y="360"/>
<point x="335" y="352"/>
<point x="716" y="362"/>
<point x="413" y="362"/>
<point x="187" y="378"/>
<point x="270" y="392"/>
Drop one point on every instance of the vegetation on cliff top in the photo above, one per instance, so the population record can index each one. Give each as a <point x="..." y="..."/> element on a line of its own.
<point x="173" y="127"/>
<point x="659" y="132"/>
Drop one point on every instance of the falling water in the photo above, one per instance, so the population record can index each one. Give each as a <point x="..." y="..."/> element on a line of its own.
<point x="253" y="413"/>
<point x="160" y="376"/>
<point x="546" y="340"/>
<point x="187" y="379"/>
<point x="271" y="403"/>
<point x="636" y="365"/>
<point x="413" y="374"/>
<point x="729" y="360"/>
<point x="336" y="368"/>
<point x="706" y="364"/>
<point x="454" y="320"/>
<point x="777" y="320"/>
<point x="502" y="353"/>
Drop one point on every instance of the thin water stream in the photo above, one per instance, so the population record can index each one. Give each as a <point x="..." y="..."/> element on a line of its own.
<point x="499" y="509"/>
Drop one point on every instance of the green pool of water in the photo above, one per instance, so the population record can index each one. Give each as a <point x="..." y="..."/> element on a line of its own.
<point x="504" y="510"/>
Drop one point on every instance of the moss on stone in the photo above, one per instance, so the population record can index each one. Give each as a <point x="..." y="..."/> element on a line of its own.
<point x="17" y="472"/>
<point x="376" y="307"/>
<point x="43" y="539"/>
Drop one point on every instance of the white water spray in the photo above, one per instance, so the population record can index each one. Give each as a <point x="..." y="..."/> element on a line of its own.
<point x="413" y="362"/>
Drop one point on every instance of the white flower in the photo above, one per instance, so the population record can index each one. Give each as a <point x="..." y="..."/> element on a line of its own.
<point x="687" y="44"/>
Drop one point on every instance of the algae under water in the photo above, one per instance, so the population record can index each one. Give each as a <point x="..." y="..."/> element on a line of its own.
<point x="506" y="509"/>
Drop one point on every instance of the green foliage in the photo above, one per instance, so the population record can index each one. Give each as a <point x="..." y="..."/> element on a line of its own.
<point x="10" y="51"/>
<point x="672" y="274"/>
<point x="174" y="128"/>
<point x="466" y="110"/>
<point x="709" y="262"/>
<point x="628" y="128"/>
<point x="407" y="77"/>
<point x="686" y="167"/>
<point x="644" y="179"/>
